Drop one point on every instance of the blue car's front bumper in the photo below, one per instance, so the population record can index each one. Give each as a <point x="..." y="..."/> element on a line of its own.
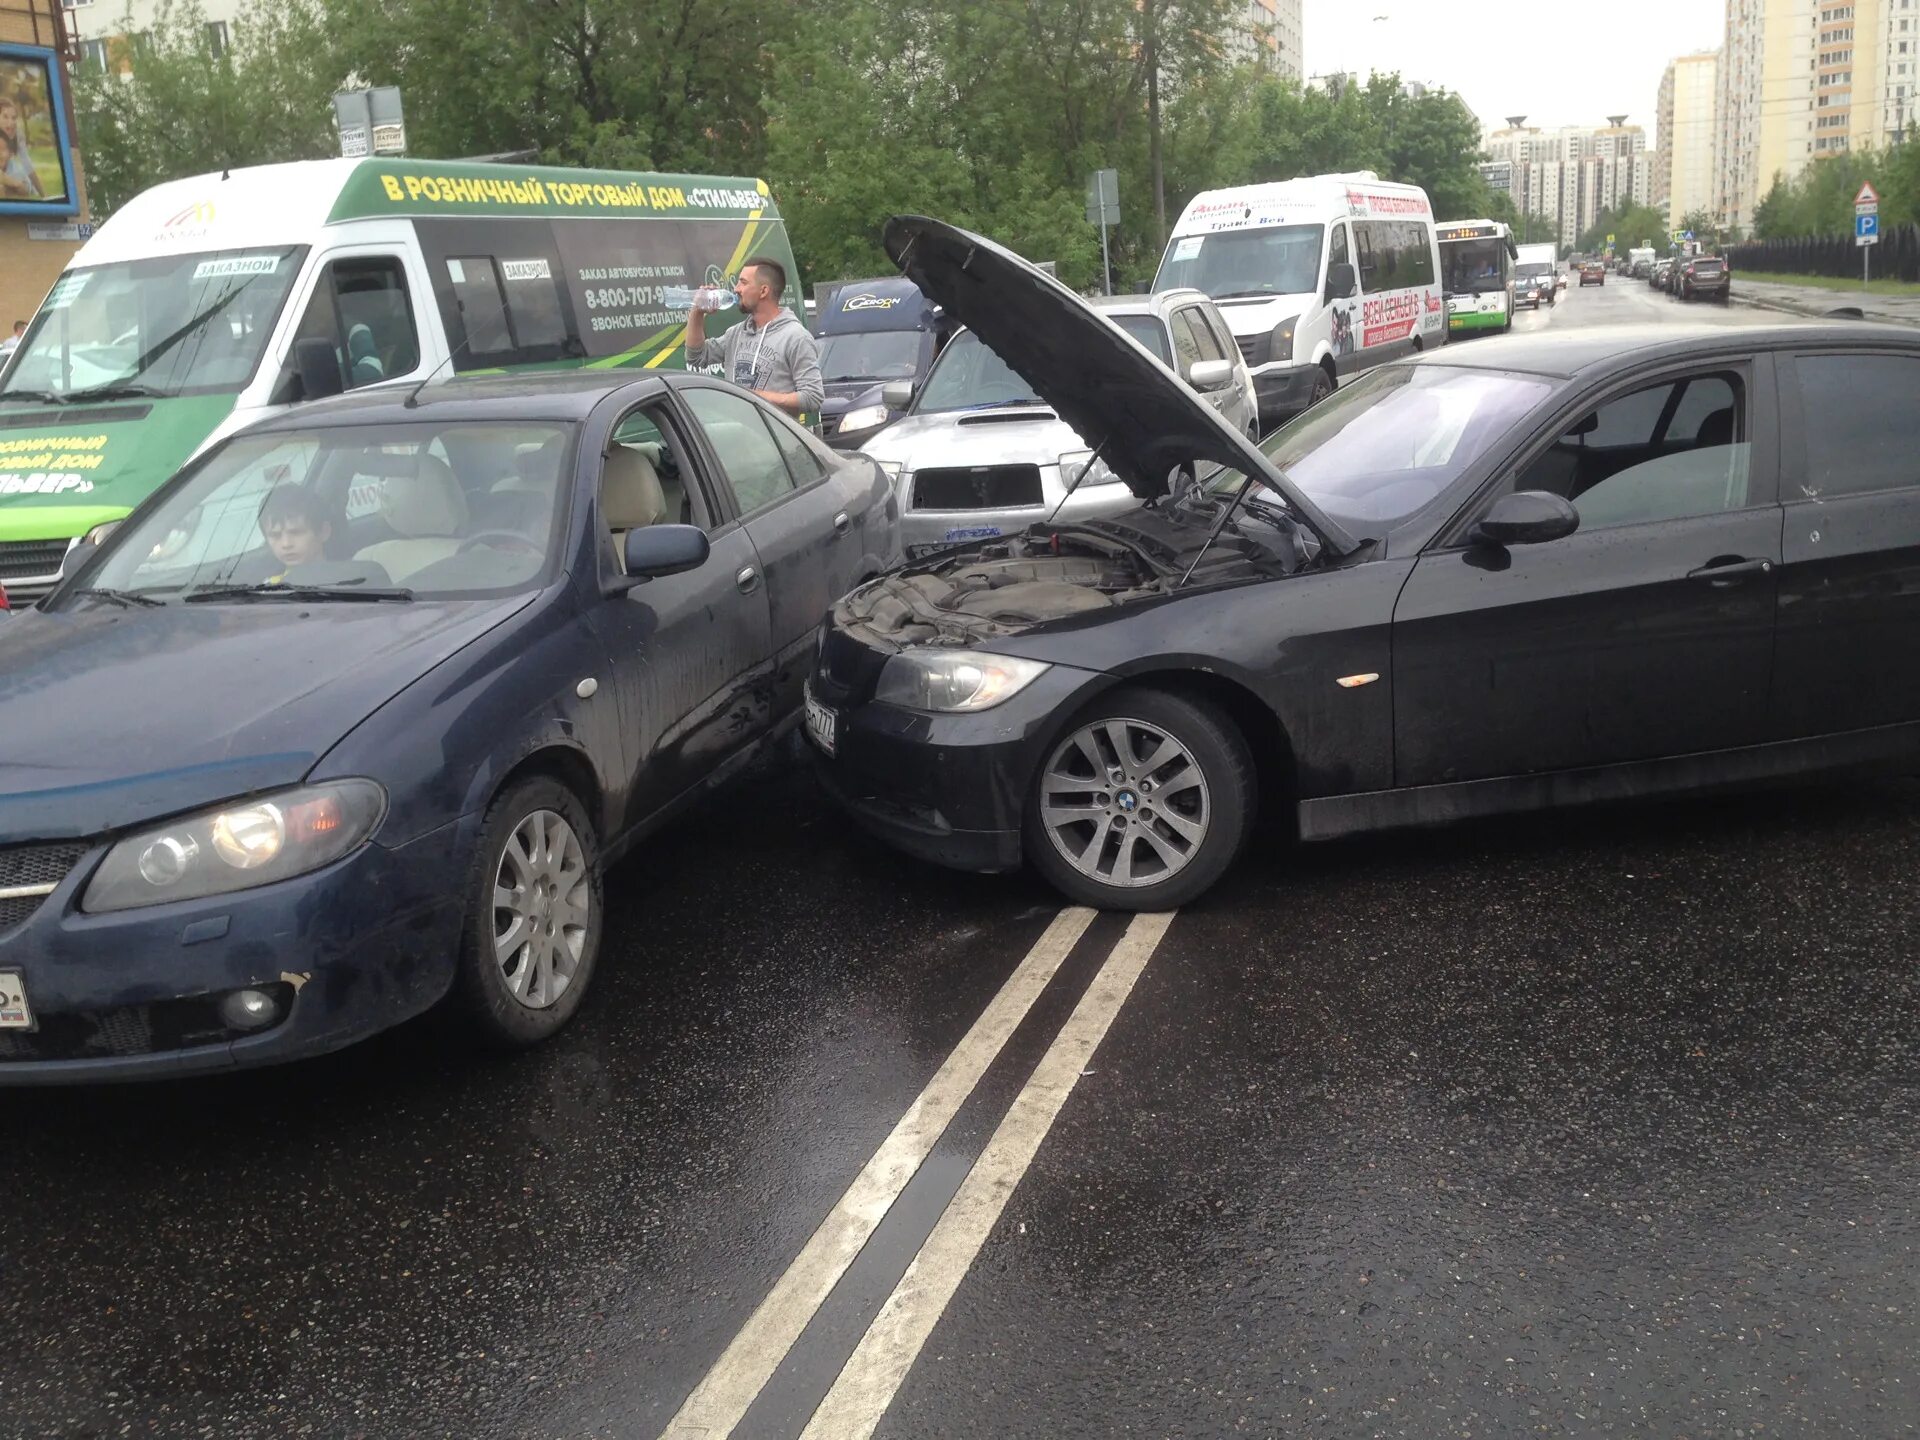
<point x="354" y="948"/>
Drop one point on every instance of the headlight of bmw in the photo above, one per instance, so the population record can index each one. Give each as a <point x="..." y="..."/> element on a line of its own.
<point x="952" y="681"/>
<point x="1097" y="473"/>
<point x="238" y="846"/>
<point x="865" y="418"/>
<point x="1283" y="338"/>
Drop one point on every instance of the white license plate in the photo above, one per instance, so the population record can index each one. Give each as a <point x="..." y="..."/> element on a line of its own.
<point x="822" y="724"/>
<point x="15" y="1013"/>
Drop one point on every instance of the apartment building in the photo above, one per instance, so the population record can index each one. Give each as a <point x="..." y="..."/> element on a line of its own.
<point x="94" y="23"/>
<point x="1685" y="178"/>
<point x="1571" y="175"/>
<point x="1804" y="79"/>
<point x="1273" y="36"/>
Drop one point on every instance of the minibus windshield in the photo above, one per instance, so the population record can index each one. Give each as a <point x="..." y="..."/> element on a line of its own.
<point x="169" y="325"/>
<point x="1230" y="264"/>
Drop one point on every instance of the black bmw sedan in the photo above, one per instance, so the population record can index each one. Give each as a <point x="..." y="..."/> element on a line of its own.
<point x="1556" y="570"/>
<point x="349" y="718"/>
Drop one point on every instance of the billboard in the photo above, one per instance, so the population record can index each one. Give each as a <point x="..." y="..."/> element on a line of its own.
<point x="36" y="155"/>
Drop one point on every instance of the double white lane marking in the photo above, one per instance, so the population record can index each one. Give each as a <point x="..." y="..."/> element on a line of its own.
<point x="886" y="1352"/>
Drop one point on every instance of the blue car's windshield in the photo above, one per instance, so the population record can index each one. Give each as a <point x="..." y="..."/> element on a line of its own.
<point x="440" y="511"/>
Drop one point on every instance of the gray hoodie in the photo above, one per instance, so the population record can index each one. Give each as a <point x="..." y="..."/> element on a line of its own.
<point x="779" y="356"/>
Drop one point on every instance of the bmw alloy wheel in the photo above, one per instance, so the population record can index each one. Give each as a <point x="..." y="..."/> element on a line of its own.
<point x="542" y="908"/>
<point x="1124" y="803"/>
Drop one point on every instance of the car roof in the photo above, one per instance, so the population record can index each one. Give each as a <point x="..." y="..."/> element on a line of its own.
<point x="547" y="395"/>
<point x="1584" y="353"/>
<point x="1158" y="303"/>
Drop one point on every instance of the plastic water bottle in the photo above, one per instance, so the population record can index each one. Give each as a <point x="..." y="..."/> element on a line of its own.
<point x="686" y="297"/>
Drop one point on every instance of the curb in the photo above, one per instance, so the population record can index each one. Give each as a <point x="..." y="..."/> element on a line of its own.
<point x="1807" y="312"/>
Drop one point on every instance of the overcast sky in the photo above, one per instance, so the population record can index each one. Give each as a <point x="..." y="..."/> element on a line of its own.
<point x="1588" y="61"/>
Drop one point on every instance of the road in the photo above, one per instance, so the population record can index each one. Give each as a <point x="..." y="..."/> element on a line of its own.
<point x="1607" y="1123"/>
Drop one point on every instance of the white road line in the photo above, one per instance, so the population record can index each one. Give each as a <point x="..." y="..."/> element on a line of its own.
<point x="721" y="1399"/>
<point x="867" y="1384"/>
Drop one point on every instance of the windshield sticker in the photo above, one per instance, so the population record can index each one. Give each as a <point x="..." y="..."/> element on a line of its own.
<point x="526" y="269"/>
<point x="869" y="302"/>
<point x="236" y="265"/>
<point x="456" y="272"/>
<point x="1188" y="248"/>
<point x="67" y="289"/>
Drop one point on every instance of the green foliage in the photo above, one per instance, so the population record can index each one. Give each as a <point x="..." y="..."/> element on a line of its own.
<point x="991" y="113"/>
<point x="188" y="112"/>
<point x="1631" y="226"/>
<point x="1819" y="201"/>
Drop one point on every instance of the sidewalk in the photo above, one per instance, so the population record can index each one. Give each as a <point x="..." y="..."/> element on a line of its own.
<point x="1805" y="300"/>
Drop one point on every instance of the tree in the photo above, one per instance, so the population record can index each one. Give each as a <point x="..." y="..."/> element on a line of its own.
<point x="647" y="84"/>
<point x="183" y="110"/>
<point x="1631" y="225"/>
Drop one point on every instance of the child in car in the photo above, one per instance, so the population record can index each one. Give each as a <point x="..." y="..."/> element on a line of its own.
<point x="296" y="526"/>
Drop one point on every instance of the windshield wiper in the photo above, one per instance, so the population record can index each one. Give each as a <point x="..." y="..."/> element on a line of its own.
<point x="119" y="390"/>
<point x="269" y="591"/>
<point x="1245" y="294"/>
<point x="125" y="599"/>
<point x="42" y="397"/>
<point x="1005" y="404"/>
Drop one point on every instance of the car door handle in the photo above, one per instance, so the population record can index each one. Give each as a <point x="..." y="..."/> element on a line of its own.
<point x="842" y="522"/>
<point x="748" y="580"/>
<point x="1730" y="570"/>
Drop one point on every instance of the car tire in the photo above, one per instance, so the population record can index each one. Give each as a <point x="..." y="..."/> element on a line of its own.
<point x="538" y="837"/>
<point x="1209" y="795"/>
<point x="1321" y="388"/>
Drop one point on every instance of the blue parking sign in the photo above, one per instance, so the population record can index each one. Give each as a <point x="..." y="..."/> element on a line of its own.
<point x="1864" y="225"/>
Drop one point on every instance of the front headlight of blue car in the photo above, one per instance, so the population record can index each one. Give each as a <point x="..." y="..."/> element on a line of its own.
<point x="954" y="681"/>
<point x="865" y="418"/>
<point x="238" y="846"/>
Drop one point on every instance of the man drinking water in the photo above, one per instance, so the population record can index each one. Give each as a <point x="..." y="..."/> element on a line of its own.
<point x="769" y="352"/>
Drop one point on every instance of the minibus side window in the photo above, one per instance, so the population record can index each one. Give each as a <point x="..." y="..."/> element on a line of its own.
<point x="483" y="308"/>
<point x="1337" y="248"/>
<point x="361" y="307"/>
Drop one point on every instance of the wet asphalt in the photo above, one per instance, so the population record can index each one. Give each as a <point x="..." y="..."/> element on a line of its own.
<point x="1603" y="1123"/>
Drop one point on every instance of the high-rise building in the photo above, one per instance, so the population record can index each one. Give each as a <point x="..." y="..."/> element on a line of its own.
<point x="1804" y="79"/>
<point x="1571" y="175"/>
<point x="1273" y="36"/>
<point x="1684" y="175"/>
<point x="97" y="23"/>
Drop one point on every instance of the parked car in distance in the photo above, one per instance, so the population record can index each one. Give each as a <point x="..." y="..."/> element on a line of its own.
<point x="1574" y="567"/>
<point x="1594" y="272"/>
<point x="1706" y="276"/>
<point x="978" y="454"/>
<point x="411" y="667"/>
<point x="1657" y="276"/>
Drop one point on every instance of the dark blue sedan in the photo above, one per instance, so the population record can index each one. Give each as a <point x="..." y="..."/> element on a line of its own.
<point x="349" y="718"/>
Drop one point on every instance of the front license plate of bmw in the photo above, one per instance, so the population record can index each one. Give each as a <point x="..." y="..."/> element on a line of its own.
<point x="823" y="725"/>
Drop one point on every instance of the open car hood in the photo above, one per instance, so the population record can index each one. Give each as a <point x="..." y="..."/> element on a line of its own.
<point x="1143" y="422"/>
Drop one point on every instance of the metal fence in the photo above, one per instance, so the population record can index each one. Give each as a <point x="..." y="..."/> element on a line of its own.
<point x="1896" y="257"/>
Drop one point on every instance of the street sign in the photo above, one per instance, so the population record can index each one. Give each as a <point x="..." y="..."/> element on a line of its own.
<point x="1103" y="197"/>
<point x="1609" y="240"/>
<point x="1868" y="195"/>
<point x="1866" y="229"/>
<point x="1103" y="209"/>
<point x="371" y="122"/>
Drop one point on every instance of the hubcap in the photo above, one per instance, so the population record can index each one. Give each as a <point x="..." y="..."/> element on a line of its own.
<point x="542" y="903"/>
<point x="1124" y="803"/>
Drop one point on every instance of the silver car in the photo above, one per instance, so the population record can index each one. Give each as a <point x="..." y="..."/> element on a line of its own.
<point x="977" y="455"/>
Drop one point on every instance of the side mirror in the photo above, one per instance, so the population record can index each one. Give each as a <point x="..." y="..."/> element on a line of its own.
<point x="897" y="394"/>
<point x="1526" y="517"/>
<point x="318" y="367"/>
<point x="1209" y="374"/>
<point x="1341" y="281"/>
<point x="76" y="556"/>
<point x="658" y="550"/>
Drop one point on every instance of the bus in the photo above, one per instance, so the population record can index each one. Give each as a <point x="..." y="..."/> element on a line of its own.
<point x="1476" y="271"/>
<point x="177" y="323"/>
